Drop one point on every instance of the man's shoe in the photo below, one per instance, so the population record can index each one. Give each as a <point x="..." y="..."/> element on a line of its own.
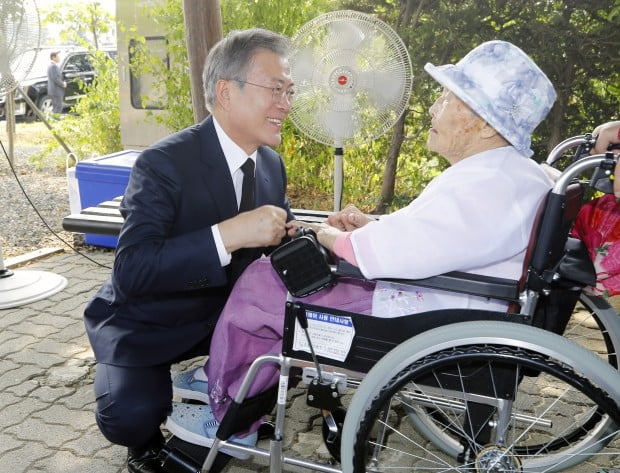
<point x="191" y="384"/>
<point x="196" y="424"/>
<point x="144" y="461"/>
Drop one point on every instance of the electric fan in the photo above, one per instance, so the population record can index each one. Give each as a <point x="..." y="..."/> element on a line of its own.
<point x="19" y="39"/>
<point x="353" y="78"/>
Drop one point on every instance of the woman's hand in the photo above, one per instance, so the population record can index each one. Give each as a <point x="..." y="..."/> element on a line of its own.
<point x="348" y="219"/>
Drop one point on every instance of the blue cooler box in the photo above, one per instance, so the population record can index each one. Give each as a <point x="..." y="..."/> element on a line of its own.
<point x="101" y="179"/>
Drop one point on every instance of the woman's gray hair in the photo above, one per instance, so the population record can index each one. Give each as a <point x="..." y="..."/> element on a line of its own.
<point x="230" y="58"/>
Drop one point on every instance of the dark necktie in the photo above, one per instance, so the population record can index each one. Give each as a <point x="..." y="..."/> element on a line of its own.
<point x="244" y="256"/>
<point x="247" y="189"/>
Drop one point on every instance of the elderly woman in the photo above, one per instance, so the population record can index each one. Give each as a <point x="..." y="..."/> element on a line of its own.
<point x="475" y="217"/>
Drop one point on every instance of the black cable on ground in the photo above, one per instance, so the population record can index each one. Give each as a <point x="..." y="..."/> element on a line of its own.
<point x="41" y="216"/>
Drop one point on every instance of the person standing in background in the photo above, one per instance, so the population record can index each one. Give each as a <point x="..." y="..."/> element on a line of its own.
<point x="56" y="85"/>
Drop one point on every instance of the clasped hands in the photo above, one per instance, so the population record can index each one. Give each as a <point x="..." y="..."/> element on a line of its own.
<point x="348" y="219"/>
<point x="267" y="225"/>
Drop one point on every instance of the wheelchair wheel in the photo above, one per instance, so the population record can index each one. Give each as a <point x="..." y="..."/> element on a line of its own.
<point x="505" y="395"/>
<point x="595" y="325"/>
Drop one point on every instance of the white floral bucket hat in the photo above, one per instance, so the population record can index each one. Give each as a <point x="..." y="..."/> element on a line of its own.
<point x="502" y="85"/>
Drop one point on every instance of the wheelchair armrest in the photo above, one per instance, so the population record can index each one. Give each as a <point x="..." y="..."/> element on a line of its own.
<point x="454" y="281"/>
<point x="346" y="269"/>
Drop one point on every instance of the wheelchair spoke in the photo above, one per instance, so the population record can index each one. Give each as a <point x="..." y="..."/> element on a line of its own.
<point x="485" y="409"/>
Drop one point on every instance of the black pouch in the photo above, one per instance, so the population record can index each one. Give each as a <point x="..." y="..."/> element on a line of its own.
<point x="575" y="271"/>
<point x="302" y="266"/>
<point x="576" y="265"/>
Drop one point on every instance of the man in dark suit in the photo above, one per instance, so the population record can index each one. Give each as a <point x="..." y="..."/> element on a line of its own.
<point x="187" y="235"/>
<point x="56" y="85"/>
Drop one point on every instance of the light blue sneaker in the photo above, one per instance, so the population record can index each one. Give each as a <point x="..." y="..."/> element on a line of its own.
<point x="196" y="424"/>
<point x="185" y="385"/>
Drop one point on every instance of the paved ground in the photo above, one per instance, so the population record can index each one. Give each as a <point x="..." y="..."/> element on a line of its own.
<point x="46" y="418"/>
<point x="46" y="371"/>
<point x="46" y="400"/>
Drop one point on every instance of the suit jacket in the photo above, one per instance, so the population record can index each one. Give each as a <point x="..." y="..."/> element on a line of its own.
<point x="167" y="286"/>
<point x="54" y="80"/>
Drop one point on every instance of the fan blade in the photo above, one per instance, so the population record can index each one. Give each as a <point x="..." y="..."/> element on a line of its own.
<point x="303" y="65"/>
<point x="384" y="87"/>
<point x="344" y="35"/>
<point x="342" y="103"/>
<point x="341" y="125"/>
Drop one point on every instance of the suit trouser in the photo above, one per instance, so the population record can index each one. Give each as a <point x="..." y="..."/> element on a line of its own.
<point x="57" y="103"/>
<point x="133" y="401"/>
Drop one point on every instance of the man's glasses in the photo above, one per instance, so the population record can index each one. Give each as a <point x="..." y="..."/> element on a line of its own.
<point x="277" y="93"/>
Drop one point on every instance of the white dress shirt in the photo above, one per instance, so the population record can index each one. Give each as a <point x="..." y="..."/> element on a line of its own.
<point x="235" y="157"/>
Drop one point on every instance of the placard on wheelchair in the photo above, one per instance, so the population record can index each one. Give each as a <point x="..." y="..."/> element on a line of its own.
<point x="355" y="341"/>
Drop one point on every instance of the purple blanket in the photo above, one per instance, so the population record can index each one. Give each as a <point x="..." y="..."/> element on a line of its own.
<point x="252" y="323"/>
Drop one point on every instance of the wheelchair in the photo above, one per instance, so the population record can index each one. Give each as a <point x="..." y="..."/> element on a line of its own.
<point x="454" y="390"/>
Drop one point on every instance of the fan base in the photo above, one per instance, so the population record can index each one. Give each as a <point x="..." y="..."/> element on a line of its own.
<point x="24" y="287"/>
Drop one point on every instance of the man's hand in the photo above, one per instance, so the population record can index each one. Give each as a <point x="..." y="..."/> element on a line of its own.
<point x="606" y="134"/>
<point x="294" y="226"/>
<point x="348" y="219"/>
<point x="264" y="226"/>
<point x="325" y="234"/>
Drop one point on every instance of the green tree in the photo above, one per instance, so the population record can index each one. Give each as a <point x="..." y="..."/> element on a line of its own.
<point x="93" y="126"/>
<point x="82" y="22"/>
<point x="283" y="16"/>
<point x="579" y="53"/>
<point x="574" y="43"/>
<point x="308" y="163"/>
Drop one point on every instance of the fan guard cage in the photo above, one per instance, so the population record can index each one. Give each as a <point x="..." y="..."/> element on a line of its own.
<point x="20" y="32"/>
<point x="352" y="75"/>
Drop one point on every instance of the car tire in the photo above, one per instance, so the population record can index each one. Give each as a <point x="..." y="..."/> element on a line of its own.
<point x="30" y="116"/>
<point x="45" y="105"/>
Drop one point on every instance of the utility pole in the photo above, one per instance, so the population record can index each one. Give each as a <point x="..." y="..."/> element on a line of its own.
<point x="203" y="28"/>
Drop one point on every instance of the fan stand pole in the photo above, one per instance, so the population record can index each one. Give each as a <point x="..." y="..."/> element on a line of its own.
<point x="22" y="287"/>
<point x="338" y="178"/>
<point x="9" y="113"/>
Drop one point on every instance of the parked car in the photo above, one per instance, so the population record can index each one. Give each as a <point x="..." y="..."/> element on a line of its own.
<point x="76" y="66"/>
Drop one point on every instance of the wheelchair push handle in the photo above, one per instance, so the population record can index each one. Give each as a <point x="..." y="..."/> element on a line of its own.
<point x="603" y="163"/>
<point x="581" y="161"/>
<point x="583" y="145"/>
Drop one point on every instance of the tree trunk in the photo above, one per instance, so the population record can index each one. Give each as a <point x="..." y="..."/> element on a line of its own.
<point x="398" y="136"/>
<point x="557" y="122"/>
<point x="203" y="28"/>
<point x="389" y="175"/>
<point x="558" y="113"/>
